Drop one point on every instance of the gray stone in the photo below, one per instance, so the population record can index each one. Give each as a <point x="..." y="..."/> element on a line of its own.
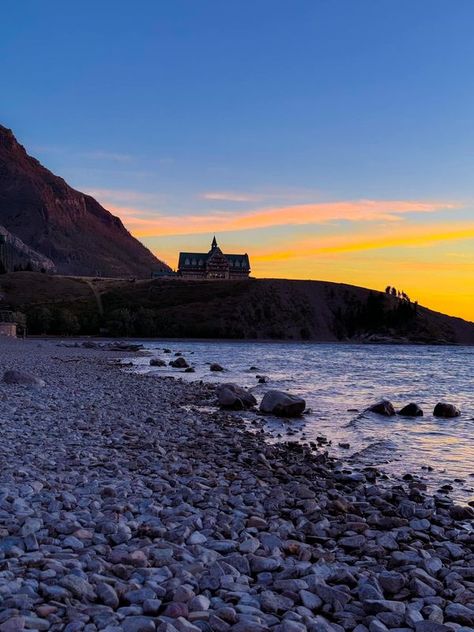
<point x="107" y="595"/>
<point x="282" y="404"/>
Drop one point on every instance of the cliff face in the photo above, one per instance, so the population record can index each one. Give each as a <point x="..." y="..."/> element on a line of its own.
<point x="66" y="226"/>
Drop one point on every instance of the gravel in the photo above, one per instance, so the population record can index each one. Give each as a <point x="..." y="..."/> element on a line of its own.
<point x="133" y="503"/>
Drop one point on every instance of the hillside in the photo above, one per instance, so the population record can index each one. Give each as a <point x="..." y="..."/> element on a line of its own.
<point x="255" y="309"/>
<point x="63" y="225"/>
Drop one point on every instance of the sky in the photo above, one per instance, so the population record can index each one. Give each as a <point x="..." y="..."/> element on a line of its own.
<point x="328" y="139"/>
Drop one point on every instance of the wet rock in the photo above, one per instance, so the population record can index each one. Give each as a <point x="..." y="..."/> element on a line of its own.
<point x="282" y="404"/>
<point x="411" y="410"/>
<point x="234" y="397"/>
<point x="384" y="407"/>
<point x="157" y="362"/>
<point x="216" y="367"/>
<point x="460" y="512"/>
<point x="442" y="409"/>
<point x="179" y="363"/>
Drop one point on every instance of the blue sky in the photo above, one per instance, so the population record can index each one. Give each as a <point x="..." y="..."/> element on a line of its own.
<point x="187" y="109"/>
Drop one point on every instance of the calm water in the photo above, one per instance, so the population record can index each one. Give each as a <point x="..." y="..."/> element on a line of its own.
<point x="334" y="378"/>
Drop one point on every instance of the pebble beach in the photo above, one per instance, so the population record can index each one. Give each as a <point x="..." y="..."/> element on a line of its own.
<point x="130" y="502"/>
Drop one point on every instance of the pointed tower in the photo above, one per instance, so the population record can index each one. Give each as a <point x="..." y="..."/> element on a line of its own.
<point x="214" y="243"/>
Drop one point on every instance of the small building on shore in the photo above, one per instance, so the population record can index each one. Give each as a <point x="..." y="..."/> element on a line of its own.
<point x="213" y="265"/>
<point x="8" y="325"/>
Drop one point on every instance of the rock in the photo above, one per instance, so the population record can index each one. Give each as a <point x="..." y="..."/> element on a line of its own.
<point x="460" y="512"/>
<point x="13" y="624"/>
<point x="179" y="363"/>
<point x="431" y="626"/>
<point x="352" y="541"/>
<point x="190" y="369"/>
<point x="157" y="362"/>
<point x="151" y="606"/>
<point x="459" y="614"/>
<point x="216" y="367"/>
<point x="442" y="409"/>
<point x="411" y="410"/>
<point x="310" y="600"/>
<point x="176" y="609"/>
<point x="20" y="377"/>
<point x="199" y="603"/>
<point x="78" y="586"/>
<point x="384" y="407"/>
<point x="391" y="581"/>
<point x="107" y="595"/>
<point x="282" y="404"/>
<point x="138" y="624"/>
<point x="234" y="397"/>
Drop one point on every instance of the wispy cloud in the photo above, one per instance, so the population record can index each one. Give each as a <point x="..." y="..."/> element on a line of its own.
<point x="230" y="196"/>
<point x="302" y="214"/>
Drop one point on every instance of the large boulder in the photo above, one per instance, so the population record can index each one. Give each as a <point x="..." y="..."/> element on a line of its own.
<point x="411" y="410"/>
<point x="25" y="379"/>
<point x="282" y="404"/>
<point x="234" y="397"/>
<point x="157" y="362"/>
<point x="442" y="409"/>
<point x="384" y="407"/>
<point x="179" y="363"/>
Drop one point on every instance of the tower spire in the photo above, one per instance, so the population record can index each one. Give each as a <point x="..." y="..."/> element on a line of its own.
<point x="214" y="243"/>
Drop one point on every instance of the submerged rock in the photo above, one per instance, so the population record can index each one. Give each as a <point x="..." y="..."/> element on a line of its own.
<point x="384" y="407"/>
<point x="282" y="404"/>
<point x="442" y="409"/>
<point x="411" y="410"/>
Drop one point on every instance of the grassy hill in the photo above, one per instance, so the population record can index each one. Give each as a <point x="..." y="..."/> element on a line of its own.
<point x="254" y="309"/>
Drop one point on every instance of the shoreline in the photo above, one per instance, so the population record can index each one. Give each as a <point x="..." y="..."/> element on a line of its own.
<point x="124" y="507"/>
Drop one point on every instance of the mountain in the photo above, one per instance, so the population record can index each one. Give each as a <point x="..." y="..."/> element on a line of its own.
<point x="65" y="226"/>
<point x="254" y="309"/>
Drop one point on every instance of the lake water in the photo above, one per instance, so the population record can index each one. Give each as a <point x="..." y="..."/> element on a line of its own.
<point x="334" y="378"/>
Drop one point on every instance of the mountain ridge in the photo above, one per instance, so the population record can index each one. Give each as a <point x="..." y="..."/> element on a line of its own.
<point x="64" y="225"/>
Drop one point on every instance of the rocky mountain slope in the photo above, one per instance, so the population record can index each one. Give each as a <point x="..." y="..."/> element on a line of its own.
<point x="63" y="225"/>
<point x="254" y="309"/>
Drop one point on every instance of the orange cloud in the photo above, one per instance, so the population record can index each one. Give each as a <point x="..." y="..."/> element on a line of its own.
<point x="415" y="236"/>
<point x="301" y="214"/>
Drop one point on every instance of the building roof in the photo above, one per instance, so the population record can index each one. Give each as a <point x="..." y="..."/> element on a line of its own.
<point x="198" y="260"/>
